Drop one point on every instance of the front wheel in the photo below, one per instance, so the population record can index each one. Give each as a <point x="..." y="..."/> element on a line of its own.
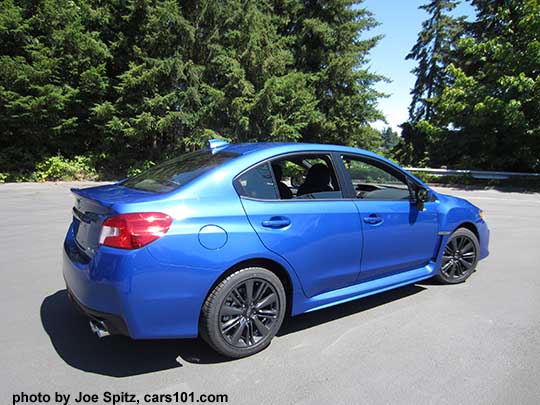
<point x="459" y="257"/>
<point x="244" y="312"/>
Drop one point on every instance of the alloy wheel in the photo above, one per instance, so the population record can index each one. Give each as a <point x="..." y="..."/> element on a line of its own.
<point x="459" y="257"/>
<point x="248" y="313"/>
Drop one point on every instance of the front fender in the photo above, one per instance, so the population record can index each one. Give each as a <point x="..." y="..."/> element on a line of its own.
<point x="456" y="212"/>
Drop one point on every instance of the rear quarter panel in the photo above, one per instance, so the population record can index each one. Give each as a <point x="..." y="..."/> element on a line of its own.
<point x="210" y="203"/>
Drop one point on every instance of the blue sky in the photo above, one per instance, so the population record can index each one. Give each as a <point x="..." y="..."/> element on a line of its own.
<point x="400" y="21"/>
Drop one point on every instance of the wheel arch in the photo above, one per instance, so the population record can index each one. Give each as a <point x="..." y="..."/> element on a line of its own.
<point x="471" y="227"/>
<point x="268" y="264"/>
<point x="444" y="239"/>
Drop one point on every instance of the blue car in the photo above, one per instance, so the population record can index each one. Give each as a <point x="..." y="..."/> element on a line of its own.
<point x="223" y="243"/>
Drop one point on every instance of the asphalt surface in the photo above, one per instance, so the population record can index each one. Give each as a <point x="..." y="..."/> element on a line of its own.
<point x="474" y="343"/>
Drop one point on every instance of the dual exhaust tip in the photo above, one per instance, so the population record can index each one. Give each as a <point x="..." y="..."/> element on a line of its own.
<point x="99" y="328"/>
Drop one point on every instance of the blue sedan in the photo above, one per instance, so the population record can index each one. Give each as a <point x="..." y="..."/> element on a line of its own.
<point x="224" y="242"/>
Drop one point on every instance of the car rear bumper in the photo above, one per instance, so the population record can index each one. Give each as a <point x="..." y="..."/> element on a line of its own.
<point x="135" y="295"/>
<point x="114" y="324"/>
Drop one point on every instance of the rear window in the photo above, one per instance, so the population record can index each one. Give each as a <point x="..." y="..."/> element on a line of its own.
<point x="174" y="173"/>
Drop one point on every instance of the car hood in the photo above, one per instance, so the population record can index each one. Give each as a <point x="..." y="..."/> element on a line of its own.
<point x="455" y="201"/>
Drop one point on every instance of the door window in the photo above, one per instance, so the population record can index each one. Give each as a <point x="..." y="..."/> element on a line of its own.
<point x="306" y="176"/>
<point x="373" y="180"/>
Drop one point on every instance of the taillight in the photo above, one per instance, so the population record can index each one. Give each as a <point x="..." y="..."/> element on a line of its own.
<point x="132" y="231"/>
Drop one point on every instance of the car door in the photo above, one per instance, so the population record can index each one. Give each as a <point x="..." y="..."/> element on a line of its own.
<point x="318" y="233"/>
<point x="398" y="236"/>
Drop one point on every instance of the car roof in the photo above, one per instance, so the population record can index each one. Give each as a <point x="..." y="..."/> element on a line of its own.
<point x="250" y="154"/>
<point x="271" y="148"/>
<point x="253" y="153"/>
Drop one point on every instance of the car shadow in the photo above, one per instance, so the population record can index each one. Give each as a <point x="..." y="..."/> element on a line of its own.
<point x="119" y="356"/>
<point x="116" y="356"/>
<point x="312" y="319"/>
<point x="431" y="282"/>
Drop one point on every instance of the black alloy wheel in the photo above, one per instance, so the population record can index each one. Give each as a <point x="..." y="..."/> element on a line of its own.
<point x="243" y="312"/>
<point x="460" y="257"/>
<point x="248" y="313"/>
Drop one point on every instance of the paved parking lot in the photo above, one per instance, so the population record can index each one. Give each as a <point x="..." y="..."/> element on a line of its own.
<point x="478" y="342"/>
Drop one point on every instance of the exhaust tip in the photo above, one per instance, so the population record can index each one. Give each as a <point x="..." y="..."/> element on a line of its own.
<point x="99" y="328"/>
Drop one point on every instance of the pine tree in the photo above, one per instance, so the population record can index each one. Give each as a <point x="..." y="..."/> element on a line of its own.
<point x="132" y="80"/>
<point x="330" y="46"/>
<point x="156" y="95"/>
<point x="265" y="99"/>
<point x="434" y="51"/>
<point x="52" y="70"/>
<point x="493" y="99"/>
<point x="390" y="138"/>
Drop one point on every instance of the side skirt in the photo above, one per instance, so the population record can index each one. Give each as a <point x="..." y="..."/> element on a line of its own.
<point x="364" y="289"/>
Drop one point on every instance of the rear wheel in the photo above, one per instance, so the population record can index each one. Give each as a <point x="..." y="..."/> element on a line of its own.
<point x="243" y="312"/>
<point x="460" y="257"/>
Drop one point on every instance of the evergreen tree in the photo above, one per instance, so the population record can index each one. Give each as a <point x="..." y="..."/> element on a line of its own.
<point x="493" y="99"/>
<point x="390" y="138"/>
<point x="265" y="98"/>
<point x="52" y="69"/>
<point x="133" y="80"/>
<point x="158" y="94"/>
<point x="330" y="46"/>
<point x="434" y="51"/>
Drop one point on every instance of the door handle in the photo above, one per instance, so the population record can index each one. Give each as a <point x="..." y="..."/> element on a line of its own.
<point x="276" y="222"/>
<point x="373" y="219"/>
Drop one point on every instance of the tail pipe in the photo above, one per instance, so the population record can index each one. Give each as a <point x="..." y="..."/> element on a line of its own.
<point x="99" y="328"/>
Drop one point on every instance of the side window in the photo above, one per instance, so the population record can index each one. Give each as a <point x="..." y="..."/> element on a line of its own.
<point x="306" y="176"/>
<point x="373" y="180"/>
<point x="257" y="183"/>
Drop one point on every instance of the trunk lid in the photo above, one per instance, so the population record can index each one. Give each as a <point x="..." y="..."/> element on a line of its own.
<point x="93" y="205"/>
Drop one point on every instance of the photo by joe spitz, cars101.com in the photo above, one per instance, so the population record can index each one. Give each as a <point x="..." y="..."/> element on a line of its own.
<point x="224" y="242"/>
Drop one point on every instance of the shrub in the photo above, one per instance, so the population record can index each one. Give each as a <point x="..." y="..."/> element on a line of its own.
<point x="3" y="177"/>
<point x="59" y="168"/>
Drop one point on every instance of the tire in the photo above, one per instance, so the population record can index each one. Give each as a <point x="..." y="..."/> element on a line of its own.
<point x="460" y="257"/>
<point x="235" y="325"/>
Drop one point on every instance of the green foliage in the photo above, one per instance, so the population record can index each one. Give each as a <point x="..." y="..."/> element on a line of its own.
<point x="137" y="80"/>
<point x="3" y="177"/>
<point x="52" y="69"/>
<point x="422" y="141"/>
<point x="434" y="50"/>
<point x="369" y="173"/>
<point x="411" y="147"/>
<point x="390" y="138"/>
<point x="494" y="99"/>
<point x="486" y="115"/>
<point x="291" y="169"/>
<point x="59" y="168"/>
<point x="329" y="47"/>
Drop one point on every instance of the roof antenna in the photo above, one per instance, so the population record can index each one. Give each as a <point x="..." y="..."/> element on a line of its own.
<point x="216" y="144"/>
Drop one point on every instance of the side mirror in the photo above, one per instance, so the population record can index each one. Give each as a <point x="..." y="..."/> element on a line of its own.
<point x="421" y="195"/>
